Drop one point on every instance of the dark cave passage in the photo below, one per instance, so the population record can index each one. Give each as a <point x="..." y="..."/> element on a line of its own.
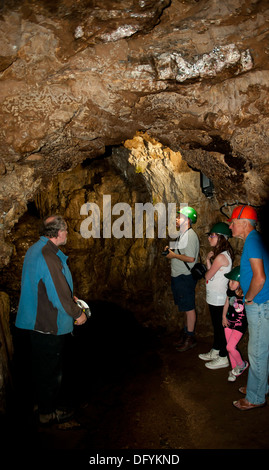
<point x="100" y="358"/>
<point x="104" y="350"/>
<point x="107" y="349"/>
<point x="132" y="390"/>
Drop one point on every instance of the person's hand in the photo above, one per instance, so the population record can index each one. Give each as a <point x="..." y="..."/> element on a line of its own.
<point x="170" y="254"/>
<point x="81" y="320"/>
<point x="225" y="322"/>
<point x="209" y="255"/>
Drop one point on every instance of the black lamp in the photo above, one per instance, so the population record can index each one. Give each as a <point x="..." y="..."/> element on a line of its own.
<point x="206" y="185"/>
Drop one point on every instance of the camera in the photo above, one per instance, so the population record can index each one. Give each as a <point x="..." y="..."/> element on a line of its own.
<point x="165" y="253"/>
<point x="87" y="312"/>
<point x="85" y="307"/>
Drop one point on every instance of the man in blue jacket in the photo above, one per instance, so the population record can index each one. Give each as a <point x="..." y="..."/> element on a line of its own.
<point x="48" y="310"/>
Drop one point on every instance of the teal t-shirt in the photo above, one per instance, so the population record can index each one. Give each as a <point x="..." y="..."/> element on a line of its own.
<point x="254" y="248"/>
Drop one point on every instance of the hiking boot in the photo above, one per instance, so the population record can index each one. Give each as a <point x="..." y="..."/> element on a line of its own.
<point x="189" y="343"/>
<point x="212" y="354"/>
<point x="218" y="363"/>
<point x="181" y="339"/>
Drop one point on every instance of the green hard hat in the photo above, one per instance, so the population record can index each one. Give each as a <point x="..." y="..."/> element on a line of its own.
<point x="221" y="229"/>
<point x="234" y="274"/>
<point x="189" y="212"/>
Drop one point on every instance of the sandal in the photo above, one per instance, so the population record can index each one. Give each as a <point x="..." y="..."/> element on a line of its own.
<point x="244" y="405"/>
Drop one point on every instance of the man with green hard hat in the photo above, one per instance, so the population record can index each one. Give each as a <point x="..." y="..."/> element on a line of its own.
<point x="183" y="258"/>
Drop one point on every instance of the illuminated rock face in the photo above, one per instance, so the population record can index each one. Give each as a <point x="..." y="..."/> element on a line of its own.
<point x="77" y="77"/>
<point x="168" y="89"/>
<point x="82" y="79"/>
<point x="110" y="257"/>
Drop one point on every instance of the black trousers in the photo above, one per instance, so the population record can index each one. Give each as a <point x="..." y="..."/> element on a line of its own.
<point x="47" y="364"/>
<point x="219" y="335"/>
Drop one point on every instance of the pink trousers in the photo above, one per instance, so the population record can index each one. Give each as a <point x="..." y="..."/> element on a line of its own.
<point x="233" y="337"/>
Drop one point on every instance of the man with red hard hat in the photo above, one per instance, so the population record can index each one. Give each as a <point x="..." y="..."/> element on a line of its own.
<point x="254" y="280"/>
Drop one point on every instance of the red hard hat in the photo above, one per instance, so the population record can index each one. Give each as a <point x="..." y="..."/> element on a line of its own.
<point x="244" y="212"/>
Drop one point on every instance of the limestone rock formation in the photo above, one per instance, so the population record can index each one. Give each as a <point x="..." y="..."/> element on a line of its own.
<point x="112" y="255"/>
<point x="78" y="77"/>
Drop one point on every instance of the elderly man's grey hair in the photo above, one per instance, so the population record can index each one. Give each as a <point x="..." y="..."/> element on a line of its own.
<point x="252" y="222"/>
<point x="51" y="225"/>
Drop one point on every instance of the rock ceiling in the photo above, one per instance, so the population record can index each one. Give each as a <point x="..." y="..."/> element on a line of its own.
<point x="80" y="76"/>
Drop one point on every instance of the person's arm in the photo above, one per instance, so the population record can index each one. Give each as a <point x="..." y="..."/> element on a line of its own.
<point x="218" y="262"/>
<point x="190" y="249"/>
<point x="257" y="281"/>
<point x="57" y="284"/>
<point x="225" y="322"/>
<point x="184" y="258"/>
<point x="83" y="317"/>
<point x="210" y="254"/>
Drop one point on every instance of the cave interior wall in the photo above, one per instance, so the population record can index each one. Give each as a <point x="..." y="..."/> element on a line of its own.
<point x="136" y="100"/>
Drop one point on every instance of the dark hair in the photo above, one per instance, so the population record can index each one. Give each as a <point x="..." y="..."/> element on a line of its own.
<point x="223" y="245"/>
<point x="239" y="291"/>
<point x="51" y="225"/>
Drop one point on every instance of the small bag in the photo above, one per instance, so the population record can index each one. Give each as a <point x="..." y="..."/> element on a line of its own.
<point x="198" y="271"/>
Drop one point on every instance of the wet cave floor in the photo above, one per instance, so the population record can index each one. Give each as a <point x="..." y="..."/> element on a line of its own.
<point x="133" y="390"/>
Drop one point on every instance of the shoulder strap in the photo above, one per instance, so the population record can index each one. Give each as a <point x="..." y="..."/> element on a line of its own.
<point x="185" y="262"/>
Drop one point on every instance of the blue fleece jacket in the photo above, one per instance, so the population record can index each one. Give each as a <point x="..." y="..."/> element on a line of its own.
<point x="46" y="301"/>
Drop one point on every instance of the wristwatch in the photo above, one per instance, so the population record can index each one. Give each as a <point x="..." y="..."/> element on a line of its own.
<point x="248" y="301"/>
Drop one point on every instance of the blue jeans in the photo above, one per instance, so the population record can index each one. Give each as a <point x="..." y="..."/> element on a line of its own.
<point x="258" y="352"/>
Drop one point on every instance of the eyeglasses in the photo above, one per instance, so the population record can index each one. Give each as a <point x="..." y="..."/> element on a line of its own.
<point x="212" y="235"/>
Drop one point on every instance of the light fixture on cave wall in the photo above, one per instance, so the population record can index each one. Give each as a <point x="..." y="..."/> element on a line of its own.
<point x="206" y="185"/>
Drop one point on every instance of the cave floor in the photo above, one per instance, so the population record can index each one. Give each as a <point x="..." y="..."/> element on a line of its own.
<point x="149" y="396"/>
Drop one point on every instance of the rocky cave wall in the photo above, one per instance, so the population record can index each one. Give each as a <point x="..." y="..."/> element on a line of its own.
<point x="122" y="268"/>
<point x="77" y="77"/>
<point x="133" y="99"/>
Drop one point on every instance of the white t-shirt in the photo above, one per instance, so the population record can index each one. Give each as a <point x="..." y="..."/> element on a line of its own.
<point x="216" y="287"/>
<point x="188" y="245"/>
